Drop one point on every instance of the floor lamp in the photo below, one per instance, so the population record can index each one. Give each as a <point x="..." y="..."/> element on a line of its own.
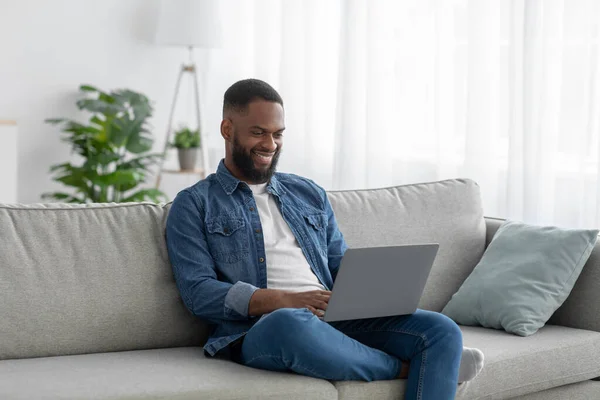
<point x="190" y="24"/>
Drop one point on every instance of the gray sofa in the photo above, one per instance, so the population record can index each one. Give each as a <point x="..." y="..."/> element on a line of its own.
<point x="89" y="308"/>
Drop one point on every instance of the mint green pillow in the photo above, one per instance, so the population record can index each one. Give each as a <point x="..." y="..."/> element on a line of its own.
<point x="525" y="274"/>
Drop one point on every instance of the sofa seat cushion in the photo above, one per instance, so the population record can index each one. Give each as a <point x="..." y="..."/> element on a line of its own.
<point x="514" y="365"/>
<point x="174" y="373"/>
<point x="585" y="390"/>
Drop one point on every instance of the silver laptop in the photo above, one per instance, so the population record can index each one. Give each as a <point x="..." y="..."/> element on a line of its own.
<point x="380" y="282"/>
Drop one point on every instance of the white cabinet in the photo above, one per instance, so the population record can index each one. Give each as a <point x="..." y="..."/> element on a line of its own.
<point x="8" y="161"/>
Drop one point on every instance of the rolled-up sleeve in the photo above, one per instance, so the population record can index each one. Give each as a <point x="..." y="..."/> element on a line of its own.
<point x="194" y="269"/>
<point x="238" y="298"/>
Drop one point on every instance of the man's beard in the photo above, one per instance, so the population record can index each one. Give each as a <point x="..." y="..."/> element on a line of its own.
<point x="243" y="160"/>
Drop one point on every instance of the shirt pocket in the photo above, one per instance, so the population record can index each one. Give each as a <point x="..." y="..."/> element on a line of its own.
<point x="227" y="239"/>
<point x="317" y="229"/>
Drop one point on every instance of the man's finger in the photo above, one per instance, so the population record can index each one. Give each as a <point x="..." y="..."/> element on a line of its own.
<point x="319" y="304"/>
<point x="313" y="310"/>
<point x="325" y="297"/>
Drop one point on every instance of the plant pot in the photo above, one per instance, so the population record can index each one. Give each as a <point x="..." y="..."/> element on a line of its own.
<point x="187" y="158"/>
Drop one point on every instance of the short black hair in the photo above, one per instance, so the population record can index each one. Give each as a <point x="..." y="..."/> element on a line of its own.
<point x="243" y="92"/>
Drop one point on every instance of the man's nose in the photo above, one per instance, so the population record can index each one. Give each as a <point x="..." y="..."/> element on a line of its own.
<point x="269" y="143"/>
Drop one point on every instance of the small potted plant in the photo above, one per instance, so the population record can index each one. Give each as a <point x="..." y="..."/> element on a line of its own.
<point x="187" y="142"/>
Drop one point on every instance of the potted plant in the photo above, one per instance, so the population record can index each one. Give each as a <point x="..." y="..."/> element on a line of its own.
<point x="187" y="142"/>
<point x="114" y="145"/>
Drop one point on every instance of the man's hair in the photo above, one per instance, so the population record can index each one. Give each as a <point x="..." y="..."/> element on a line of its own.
<point x="243" y="92"/>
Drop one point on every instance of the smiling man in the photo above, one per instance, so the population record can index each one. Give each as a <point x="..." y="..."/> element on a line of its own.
<point x="255" y="253"/>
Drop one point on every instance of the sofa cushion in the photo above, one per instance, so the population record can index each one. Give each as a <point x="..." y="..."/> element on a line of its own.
<point x="586" y="390"/>
<point x="575" y="312"/>
<point x="177" y="373"/>
<point x="514" y="365"/>
<point x="447" y="212"/>
<point x="80" y="279"/>
<point x="525" y="274"/>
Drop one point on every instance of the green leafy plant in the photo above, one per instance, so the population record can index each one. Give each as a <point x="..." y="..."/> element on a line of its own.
<point x="185" y="138"/>
<point x="114" y="145"/>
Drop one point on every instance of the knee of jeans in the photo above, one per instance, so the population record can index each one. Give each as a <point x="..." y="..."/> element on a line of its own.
<point x="452" y="333"/>
<point x="287" y="323"/>
<point x="289" y="318"/>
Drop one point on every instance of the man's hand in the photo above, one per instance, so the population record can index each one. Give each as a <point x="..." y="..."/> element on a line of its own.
<point x="316" y="301"/>
<point x="264" y="301"/>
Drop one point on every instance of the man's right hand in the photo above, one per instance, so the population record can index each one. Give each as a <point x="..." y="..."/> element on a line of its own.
<point x="315" y="300"/>
<point x="264" y="301"/>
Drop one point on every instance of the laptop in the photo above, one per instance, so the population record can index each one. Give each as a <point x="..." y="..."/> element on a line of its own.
<point x="380" y="282"/>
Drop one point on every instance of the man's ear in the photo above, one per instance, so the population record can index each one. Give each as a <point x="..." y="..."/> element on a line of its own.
<point x="226" y="129"/>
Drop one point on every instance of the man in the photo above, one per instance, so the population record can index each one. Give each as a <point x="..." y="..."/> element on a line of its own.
<point x="256" y="253"/>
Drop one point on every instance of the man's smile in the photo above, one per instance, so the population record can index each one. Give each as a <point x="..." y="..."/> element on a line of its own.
<point x="263" y="158"/>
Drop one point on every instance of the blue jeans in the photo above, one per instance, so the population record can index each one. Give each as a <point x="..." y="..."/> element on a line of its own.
<point x="368" y="349"/>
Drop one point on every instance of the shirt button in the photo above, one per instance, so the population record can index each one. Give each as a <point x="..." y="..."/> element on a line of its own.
<point x="261" y="259"/>
<point x="225" y="230"/>
<point x="251" y="208"/>
<point x="257" y="230"/>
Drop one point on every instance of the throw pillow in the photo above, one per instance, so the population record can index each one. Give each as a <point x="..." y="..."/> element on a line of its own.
<point x="525" y="274"/>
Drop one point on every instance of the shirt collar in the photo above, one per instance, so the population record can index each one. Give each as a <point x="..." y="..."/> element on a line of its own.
<point x="229" y="182"/>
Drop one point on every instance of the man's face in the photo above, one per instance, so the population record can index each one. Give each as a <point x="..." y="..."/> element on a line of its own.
<point x="256" y="139"/>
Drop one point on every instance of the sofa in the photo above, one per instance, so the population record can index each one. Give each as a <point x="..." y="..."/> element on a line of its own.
<point x="89" y="308"/>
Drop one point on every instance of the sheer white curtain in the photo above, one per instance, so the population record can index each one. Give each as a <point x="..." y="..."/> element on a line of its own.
<point x="386" y="92"/>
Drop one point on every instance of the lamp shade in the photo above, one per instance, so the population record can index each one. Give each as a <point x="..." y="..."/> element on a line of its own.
<point x="189" y="23"/>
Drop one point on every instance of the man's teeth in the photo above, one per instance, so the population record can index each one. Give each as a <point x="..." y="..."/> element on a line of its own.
<point x="263" y="155"/>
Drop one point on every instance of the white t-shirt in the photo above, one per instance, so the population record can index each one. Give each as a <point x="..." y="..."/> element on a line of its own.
<point x="287" y="267"/>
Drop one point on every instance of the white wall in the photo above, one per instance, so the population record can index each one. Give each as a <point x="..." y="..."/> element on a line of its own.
<point x="8" y="162"/>
<point x="49" y="48"/>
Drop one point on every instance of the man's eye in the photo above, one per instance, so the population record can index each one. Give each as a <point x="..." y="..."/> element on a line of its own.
<point x="257" y="133"/>
<point x="278" y="135"/>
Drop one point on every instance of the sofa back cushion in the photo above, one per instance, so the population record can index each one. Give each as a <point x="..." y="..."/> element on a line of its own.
<point x="447" y="212"/>
<point x="81" y="279"/>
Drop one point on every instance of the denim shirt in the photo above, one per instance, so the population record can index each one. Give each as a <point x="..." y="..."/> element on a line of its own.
<point x="216" y="246"/>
